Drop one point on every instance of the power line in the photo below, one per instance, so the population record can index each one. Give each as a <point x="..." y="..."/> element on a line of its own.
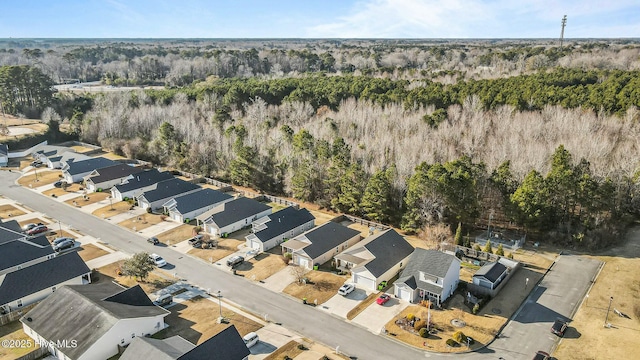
<point x="564" y="23"/>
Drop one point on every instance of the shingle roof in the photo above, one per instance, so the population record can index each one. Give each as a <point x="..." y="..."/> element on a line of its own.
<point x="17" y="252"/>
<point x="144" y="178"/>
<point x="388" y="248"/>
<point x="168" y="188"/>
<point x="40" y="276"/>
<point x="326" y="237"/>
<point x="198" y="199"/>
<point x="9" y="231"/>
<point x="282" y="221"/>
<point x="87" y="165"/>
<point x="430" y="262"/>
<point x="113" y="172"/>
<point x="149" y="348"/>
<point x="234" y="211"/>
<point x="82" y="313"/>
<point x="491" y="271"/>
<point x="225" y="345"/>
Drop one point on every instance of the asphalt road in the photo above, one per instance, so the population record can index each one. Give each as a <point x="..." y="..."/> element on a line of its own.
<point x="557" y="295"/>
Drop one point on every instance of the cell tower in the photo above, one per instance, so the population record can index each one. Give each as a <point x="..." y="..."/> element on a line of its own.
<point x="564" y="23"/>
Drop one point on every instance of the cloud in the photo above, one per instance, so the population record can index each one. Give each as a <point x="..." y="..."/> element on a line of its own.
<point x="478" y="18"/>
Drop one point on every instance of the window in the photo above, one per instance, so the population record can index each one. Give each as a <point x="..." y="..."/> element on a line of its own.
<point x="19" y="302"/>
<point x="53" y="289"/>
<point x="338" y="249"/>
<point x="133" y="335"/>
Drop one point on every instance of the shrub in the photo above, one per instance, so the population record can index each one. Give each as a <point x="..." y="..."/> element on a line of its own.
<point x="286" y="357"/>
<point x="460" y="337"/>
<point x="500" y="250"/>
<point x="452" y="343"/>
<point x="410" y="317"/>
<point x="477" y="248"/>
<point x="424" y="332"/>
<point x="488" y="248"/>
<point x="419" y="325"/>
<point x="149" y="210"/>
<point x="510" y="256"/>
<point x="476" y="308"/>
<point x="163" y="217"/>
<point x="302" y="347"/>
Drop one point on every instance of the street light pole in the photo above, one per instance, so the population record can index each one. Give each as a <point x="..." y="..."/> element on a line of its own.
<point x="220" y="304"/>
<point x="606" y="319"/>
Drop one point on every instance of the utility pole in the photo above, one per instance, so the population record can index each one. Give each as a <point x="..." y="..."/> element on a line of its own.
<point x="564" y="23"/>
<point x="606" y="319"/>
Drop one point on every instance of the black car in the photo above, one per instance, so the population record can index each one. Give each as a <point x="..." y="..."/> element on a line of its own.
<point x="63" y="245"/>
<point x="153" y="240"/>
<point x="58" y="184"/>
<point x="559" y="327"/>
<point x="541" y="355"/>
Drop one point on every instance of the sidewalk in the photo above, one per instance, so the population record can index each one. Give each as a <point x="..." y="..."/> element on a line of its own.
<point x="106" y="260"/>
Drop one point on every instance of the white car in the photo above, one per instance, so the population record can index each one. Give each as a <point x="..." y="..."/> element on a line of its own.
<point x="346" y="289"/>
<point x="158" y="260"/>
<point x="251" y="339"/>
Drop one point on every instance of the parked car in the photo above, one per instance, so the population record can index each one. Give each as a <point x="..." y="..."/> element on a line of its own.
<point x="158" y="260"/>
<point x="153" y="240"/>
<point x="163" y="300"/>
<point x="59" y="184"/>
<point x="30" y="226"/>
<point x="235" y="261"/>
<point x="37" y="230"/>
<point x="383" y="299"/>
<point x="559" y="327"/>
<point x="36" y="163"/>
<point x="196" y="241"/>
<point x="60" y="239"/>
<point x="251" y="339"/>
<point x="346" y="289"/>
<point x="63" y="245"/>
<point x="541" y="355"/>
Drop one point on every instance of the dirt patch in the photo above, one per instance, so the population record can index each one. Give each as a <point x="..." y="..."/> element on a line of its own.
<point x="587" y="337"/>
<point x="33" y="221"/>
<point x="40" y="178"/>
<point x="322" y="217"/>
<point x="113" y="209"/>
<point x="152" y="284"/>
<point x="88" y="199"/>
<point x="140" y="222"/>
<point x="7" y="211"/>
<point x="288" y="350"/>
<point x="322" y="287"/>
<point x="73" y="188"/>
<point x="362" y="305"/>
<point x="276" y="206"/>
<point x="261" y="267"/>
<point x="90" y="251"/>
<point x="81" y="149"/>
<point x="481" y="328"/>
<point x="176" y="235"/>
<point x="56" y="233"/>
<point x="225" y="248"/>
<point x="13" y="332"/>
<point x="187" y="320"/>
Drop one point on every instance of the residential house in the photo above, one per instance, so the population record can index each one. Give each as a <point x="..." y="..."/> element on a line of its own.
<point x="106" y="177"/>
<point x="98" y="320"/>
<point x="429" y="275"/>
<point x="57" y="161"/>
<point x="135" y="185"/>
<point x="4" y="155"/>
<point x="32" y="283"/>
<point x="163" y="191"/>
<point x="10" y="230"/>
<point x="75" y="171"/>
<point x="184" y="208"/>
<point x="270" y="231"/>
<point x="375" y="259"/>
<point x="490" y="275"/>
<point x="22" y="252"/>
<point x="225" y="345"/>
<point x="45" y="151"/>
<point x="233" y="216"/>
<point x="320" y="244"/>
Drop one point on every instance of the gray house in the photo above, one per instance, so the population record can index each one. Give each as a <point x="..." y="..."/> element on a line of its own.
<point x="233" y="216"/>
<point x="320" y="244"/>
<point x="132" y="186"/>
<point x="270" y="231"/>
<point x="106" y="177"/>
<point x="75" y="171"/>
<point x="186" y="207"/>
<point x="164" y="191"/>
<point x="490" y="275"/>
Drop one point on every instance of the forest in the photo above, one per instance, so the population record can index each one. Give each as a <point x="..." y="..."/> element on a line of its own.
<point x="405" y="133"/>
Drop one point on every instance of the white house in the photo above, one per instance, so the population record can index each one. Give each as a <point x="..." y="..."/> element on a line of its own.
<point x="375" y="259"/>
<point x="164" y="191"/>
<point x="429" y="275"/>
<point x="320" y="244"/>
<point x="57" y="161"/>
<point x="184" y="208"/>
<point x="135" y="185"/>
<point x="96" y="320"/>
<point x="233" y="216"/>
<point x="4" y="155"/>
<point x="35" y="282"/>
<point x="75" y="171"/>
<point x="270" y="231"/>
<point x="227" y="345"/>
<point x="106" y="177"/>
<point x="43" y="152"/>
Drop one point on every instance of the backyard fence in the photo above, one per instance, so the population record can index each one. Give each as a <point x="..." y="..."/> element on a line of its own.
<point x="35" y="354"/>
<point x="16" y="314"/>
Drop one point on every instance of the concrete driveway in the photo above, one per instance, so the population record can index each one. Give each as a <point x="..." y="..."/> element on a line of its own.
<point x="271" y="337"/>
<point x="280" y="280"/>
<point x="376" y="316"/>
<point x="341" y="305"/>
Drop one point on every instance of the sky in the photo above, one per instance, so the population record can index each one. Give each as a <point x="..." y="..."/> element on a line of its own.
<point x="318" y="18"/>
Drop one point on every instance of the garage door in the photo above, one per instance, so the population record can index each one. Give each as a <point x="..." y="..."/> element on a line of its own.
<point x="404" y="294"/>
<point x="364" y="282"/>
<point x="255" y="244"/>
<point x="176" y="217"/>
<point x="304" y="262"/>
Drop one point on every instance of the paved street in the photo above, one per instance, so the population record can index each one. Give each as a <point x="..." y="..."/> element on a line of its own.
<point x="558" y="294"/>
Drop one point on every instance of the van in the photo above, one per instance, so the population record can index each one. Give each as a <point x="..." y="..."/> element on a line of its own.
<point x="251" y="339"/>
<point x="163" y="300"/>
